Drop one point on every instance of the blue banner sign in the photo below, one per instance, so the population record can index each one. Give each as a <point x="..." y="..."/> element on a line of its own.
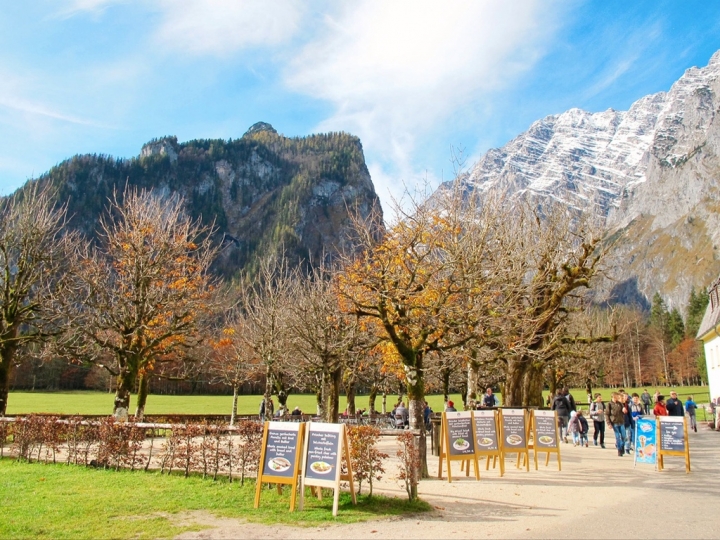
<point x="645" y="441"/>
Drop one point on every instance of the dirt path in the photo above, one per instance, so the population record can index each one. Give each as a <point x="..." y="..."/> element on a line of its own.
<point x="597" y="494"/>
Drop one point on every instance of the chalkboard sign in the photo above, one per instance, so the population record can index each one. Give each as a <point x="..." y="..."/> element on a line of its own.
<point x="457" y="435"/>
<point x="672" y="433"/>
<point x="513" y="430"/>
<point x="325" y="445"/>
<point x="545" y="429"/>
<point x="279" y="457"/>
<point x="322" y="459"/>
<point x="486" y="436"/>
<point x="545" y="436"/>
<point x="281" y="447"/>
<point x="673" y="440"/>
<point x="460" y="433"/>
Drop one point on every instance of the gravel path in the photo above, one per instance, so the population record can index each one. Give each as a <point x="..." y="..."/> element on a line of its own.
<point x="597" y="494"/>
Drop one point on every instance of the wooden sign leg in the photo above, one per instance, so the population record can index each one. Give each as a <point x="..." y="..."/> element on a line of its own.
<point x="349" y="468"/>
<point x="258" y="487"/>
<point x="336" y="501"/>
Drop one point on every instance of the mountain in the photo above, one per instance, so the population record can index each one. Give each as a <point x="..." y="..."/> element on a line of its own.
<point x="263" y="191"/>
<point x="651" y="173"/>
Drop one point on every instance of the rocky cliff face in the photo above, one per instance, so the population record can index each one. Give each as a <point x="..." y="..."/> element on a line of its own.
<point x="263" y="192"/>
<point x="651" y="173"/>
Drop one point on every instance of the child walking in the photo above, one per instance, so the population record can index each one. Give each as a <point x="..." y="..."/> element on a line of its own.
<point x="583" y="429"/>
<point x="574" y="427"/>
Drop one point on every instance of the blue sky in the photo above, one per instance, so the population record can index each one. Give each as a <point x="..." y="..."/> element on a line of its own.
<point x="411" y="79"/>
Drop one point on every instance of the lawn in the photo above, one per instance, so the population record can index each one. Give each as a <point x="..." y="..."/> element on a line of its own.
<point x="101" y="402"/>
<point x="61" y="501"/>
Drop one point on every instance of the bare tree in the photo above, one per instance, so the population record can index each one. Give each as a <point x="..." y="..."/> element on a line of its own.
<point x="323" y="337"/>
<point x="146" y="292"/>
<point x="36" y="261"/>
<point x="263" y="313"/>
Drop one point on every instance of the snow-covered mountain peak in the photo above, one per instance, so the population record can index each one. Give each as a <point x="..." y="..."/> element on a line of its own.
<point x="588" y="159"/>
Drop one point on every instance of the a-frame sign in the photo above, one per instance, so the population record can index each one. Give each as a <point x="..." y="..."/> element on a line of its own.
<point x="325" y="446"/>
<point x="280" y="457"/>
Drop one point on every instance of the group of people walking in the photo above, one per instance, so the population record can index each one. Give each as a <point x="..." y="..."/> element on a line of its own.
<point x="620" y="413"/>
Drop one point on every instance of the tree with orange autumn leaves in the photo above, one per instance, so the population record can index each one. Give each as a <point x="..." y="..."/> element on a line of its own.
<point x="144" y="292"/>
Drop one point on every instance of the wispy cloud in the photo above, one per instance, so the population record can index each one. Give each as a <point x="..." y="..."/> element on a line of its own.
<point x="41" y="110"/>
<point x="222" y="27"/>
<point x="74" y="7"/>
<point x="393" y="70"/>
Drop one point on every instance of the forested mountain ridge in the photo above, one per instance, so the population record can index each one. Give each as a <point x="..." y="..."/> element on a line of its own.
<point x="263" y="191"/>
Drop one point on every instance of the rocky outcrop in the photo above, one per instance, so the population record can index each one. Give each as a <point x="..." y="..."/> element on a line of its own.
<point x="651" y="173"/>
<point x="264" y="192"/>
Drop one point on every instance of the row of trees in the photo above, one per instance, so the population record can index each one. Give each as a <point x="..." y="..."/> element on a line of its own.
<point x="459" y="292"/>
<point x="130" y="304"/>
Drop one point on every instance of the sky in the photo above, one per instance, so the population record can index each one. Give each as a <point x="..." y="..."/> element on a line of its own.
<point x="418" y="81"/>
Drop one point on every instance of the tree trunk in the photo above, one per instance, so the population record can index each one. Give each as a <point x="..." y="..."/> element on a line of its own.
<point x="333" y="406"/>
<point x="6" y="362"/>
<point x="472" y="378"/>
<point x="416" y="405"/>
<point x="319" y="409"/>
<point x="532" y="386"/>
<point x="125" y="385"/>
<point x="233" y="414"/>
<point x="513" y="388"/>
<point x="445" y="374"/>
<point x="349" y="384"/>
<point x="384" y="402"/>
<point x="371" y="399"/>
<point x="268" y="394"/>
<point x="552" y="382"/>
<point x="142" y="397"/>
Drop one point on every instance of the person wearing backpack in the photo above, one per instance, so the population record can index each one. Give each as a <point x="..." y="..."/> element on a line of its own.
<point x="597" y="415"/>
<point x="646" y="400"/>
<point x="562" y="406"/>
<point x="690" y="408"/>
<point x="583" y="429"/>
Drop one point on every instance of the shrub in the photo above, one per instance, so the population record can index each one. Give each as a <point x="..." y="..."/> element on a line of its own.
<point x="409" y="455"/>
<point x="365" y="458"/>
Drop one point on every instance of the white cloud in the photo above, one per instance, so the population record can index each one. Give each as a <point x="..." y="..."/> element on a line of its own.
<point x="222" y="27"/>
<point x="394" y="70"/>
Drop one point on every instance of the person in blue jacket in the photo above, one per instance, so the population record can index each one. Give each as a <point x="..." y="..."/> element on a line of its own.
<point x="690" y="408"/>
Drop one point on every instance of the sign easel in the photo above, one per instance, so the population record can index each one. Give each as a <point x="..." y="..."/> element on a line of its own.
<point x="325" y="445"/>
<point x="280" y="458"/>
<point x="457" y="441"/>
<point x="545" y="436"/>
<point x="514" y="435"/>
<point x="673" y="440"/>
<point x="487" y="442"/>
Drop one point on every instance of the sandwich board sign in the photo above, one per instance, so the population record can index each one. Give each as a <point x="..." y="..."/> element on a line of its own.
<point x="457" y="441"/>
<point x="673" y="437"/>
<point x="280" y="458"/>
<point x="645" y="440"/>
<point x="545" y="436"/>
<point x="514" y="434"/>
<point x="325" y="445"/>
<point x="486" y="437"/>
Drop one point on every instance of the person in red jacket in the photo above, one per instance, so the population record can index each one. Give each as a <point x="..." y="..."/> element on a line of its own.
<point x="660" y="409"/>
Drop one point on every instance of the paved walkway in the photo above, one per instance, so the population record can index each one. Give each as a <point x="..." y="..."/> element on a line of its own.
<point x="597" y="495"/>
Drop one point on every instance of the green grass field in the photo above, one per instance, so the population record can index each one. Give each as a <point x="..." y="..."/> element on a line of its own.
<point x="101" y="402"/>
<point x="61" y="501"/>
